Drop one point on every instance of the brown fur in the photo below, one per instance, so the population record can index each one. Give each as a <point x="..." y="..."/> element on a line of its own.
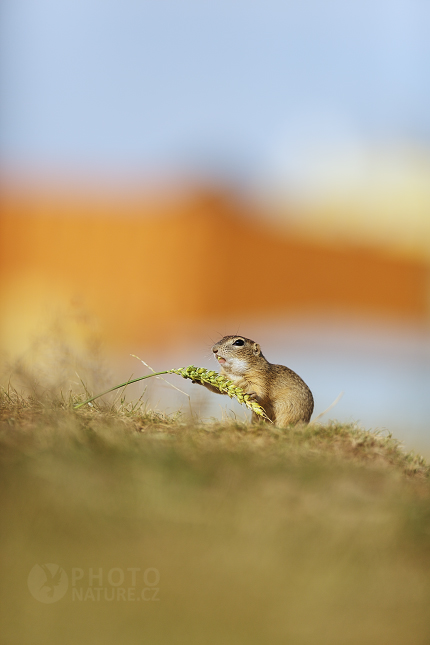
<point x="283" y="394"/>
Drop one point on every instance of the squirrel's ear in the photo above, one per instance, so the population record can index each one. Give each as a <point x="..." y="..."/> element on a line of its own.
<point x="256" y="349"/>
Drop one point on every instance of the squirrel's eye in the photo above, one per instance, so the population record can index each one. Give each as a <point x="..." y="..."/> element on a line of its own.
<point x="239" y="342"/>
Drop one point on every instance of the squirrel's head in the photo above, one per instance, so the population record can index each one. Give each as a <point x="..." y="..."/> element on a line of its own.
<point x="236" y="354"/>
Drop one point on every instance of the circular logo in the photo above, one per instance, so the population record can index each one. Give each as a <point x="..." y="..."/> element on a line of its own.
<point x="47" y="582"/>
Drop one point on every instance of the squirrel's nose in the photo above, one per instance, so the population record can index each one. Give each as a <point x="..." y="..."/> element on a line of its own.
<point x="214" y="350"/>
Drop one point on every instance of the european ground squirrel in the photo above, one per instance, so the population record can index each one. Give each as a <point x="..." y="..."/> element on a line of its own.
<point x="284" y="396"/>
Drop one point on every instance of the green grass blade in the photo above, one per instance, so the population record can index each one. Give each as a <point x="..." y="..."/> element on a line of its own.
<point x="141" y="378"/>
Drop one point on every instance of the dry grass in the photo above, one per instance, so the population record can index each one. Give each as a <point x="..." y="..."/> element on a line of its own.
<point x="260" y="535"/>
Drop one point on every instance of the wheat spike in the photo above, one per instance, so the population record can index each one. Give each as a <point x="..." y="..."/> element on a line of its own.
<point x="222" y="384"/>
<point x="204" y="376"/>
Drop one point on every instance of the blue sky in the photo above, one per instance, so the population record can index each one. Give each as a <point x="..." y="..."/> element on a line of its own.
<point x="205" y="85"/>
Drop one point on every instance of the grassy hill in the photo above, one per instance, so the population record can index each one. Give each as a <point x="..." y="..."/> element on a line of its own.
<point x="209" y="532"/>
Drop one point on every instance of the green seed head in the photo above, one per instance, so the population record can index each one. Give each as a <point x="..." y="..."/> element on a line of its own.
<point x="223" y="384"/>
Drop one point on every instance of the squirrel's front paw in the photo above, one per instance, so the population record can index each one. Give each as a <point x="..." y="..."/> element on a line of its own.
<point x="253" y="396"/>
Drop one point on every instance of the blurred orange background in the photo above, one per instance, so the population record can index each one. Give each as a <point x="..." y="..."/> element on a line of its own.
<point x="156" y="270"/>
